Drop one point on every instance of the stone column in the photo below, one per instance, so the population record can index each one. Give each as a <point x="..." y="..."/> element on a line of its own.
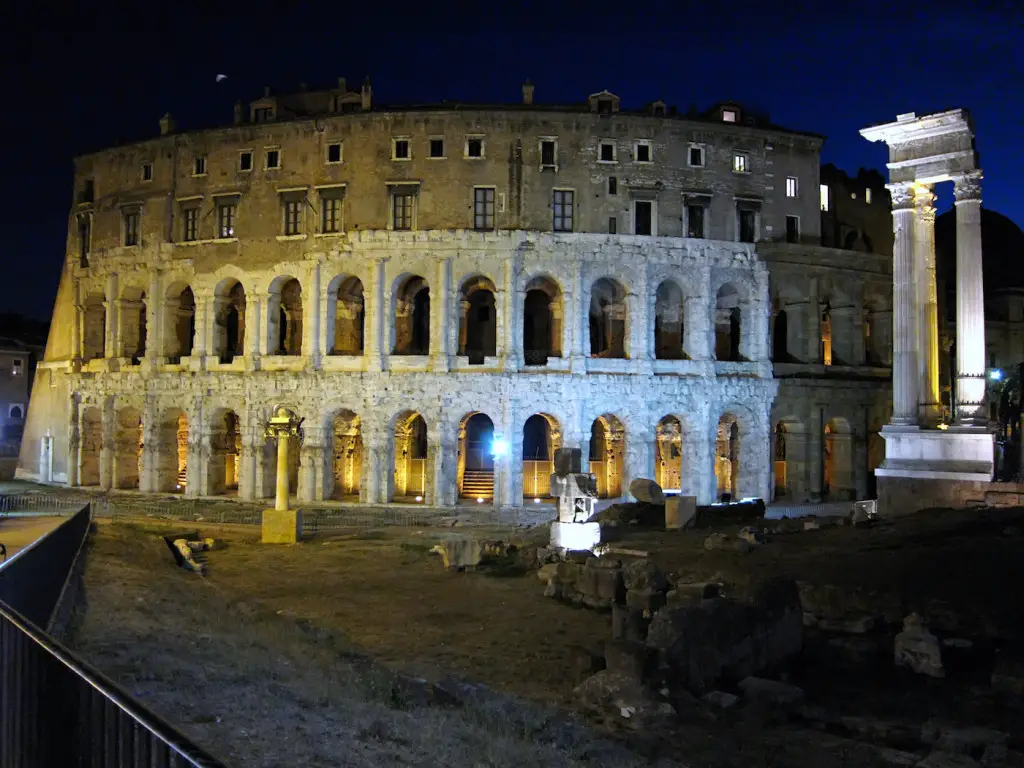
<point x="815" y="442"/>
<point x="281" y="495"/>
<point x="576" y="321"/>
<point x="376" y="317"/>
<point x="254" y="331"/>
<point x="154" y="308"/>
<point x="640" y="305"/>
<point x="440" y="316"/>
<point x="204" y="299"/>
<point x="929" y="406"/>
<point x="251" y="446"/>
<point x="442" y="443"/>
<point x="108" y="445"/>
<point x="905" y="376"/>
<point x="463" y="325"/>
<point x="312" y="333"/>
<point x="510" y="340"/>
<point x="311" y="467"/>
<point x="970" y="303"/>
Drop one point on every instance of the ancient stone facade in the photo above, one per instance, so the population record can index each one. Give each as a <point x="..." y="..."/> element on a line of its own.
<point x="448" y="296"/>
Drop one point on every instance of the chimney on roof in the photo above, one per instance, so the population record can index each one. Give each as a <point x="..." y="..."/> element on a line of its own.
<point x="167" y="124"/>
<point x="527" y="92"/>
<point x="342" y="85"/>
<point x="367" y="94"/>
<point x="238" y="113"/>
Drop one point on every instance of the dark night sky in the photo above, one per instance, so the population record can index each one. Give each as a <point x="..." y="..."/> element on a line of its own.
<point x="78" y="80"/>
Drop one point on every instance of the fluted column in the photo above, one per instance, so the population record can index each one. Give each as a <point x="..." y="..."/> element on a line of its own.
<point x="904" y="369"/>
<point x="929" y="406"/>
<point x="970" y="303"/>
<point x="377" y="311"/>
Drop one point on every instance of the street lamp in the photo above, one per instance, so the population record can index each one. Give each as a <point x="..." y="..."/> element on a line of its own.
<point x="995" y="374"/>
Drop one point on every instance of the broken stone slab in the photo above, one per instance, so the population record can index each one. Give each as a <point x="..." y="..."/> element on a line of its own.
<point x="547" y="572"/>
<point x="647" y="491"/>
<point x="680" y="512"/>
<point x="625" y="698"/>
<point x="628" y="624"/>
<point x="918" y="649"/>
<point x="751" y="535"/>
<point x="724" y="542"/>
<point x="720" y="699"/>
<point x="645" y="600"/>
<point x="458" y="554"/>
<point x="644" y="575"/>
<point x="629" y="658"/>
<point x="759" y="689"/>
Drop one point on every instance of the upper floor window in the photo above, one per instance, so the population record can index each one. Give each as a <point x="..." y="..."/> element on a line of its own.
<point x="273" y="159"/>
<point x="262" y="114"/>
<point x="695" y="219"/>
<point x="605" y="106"/>
<point x="334" y="152"/>
<point x="88" y="193"/>
<point x="199" y="166"/>
<point x="131" y="218"/>
<point x="293" y="216"/>
<point x="245" y="160"/>
<point x="729" y="116"/>
<point x="740" y="163"/>
<point x="190" y="223"/>
<point x="747" y="221"/>
<point x="792" y="186"/>
<point x="330" y="210"/>
<point x="613" y="185"/>
<point x="562" y="208"/>
<point x="226" y="212"/>
<point x="403" y="207"/>
<point x="147" y="171"/>
<point x="474" y="147"/>
<point x="643" y="152"/>
<point x="400" y="149"/>
<point x="867" y="195"/>
<point x="823" y="195"/>
<point x="549" y="154"/>
<point x="16" y="366"/>
<point x="84" y="239"/>
<point x="483" y="208"/>
<point x="436" y="148"/>
<point x="696" y="156"/>
<point x="606" y="152"/>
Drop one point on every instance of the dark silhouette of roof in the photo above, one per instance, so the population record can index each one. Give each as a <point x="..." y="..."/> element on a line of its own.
<point x="1002" y="246"/>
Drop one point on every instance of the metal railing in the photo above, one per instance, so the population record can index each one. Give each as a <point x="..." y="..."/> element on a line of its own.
<point x="55" y="709"/>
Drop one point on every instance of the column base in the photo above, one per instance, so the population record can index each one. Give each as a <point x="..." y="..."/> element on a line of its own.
<point x="281" y="526"/>
<point x="957" y="453"/>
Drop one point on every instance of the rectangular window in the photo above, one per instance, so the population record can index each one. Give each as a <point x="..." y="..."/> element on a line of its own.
<point x="226" y="219"/>
<point x="400" y="149"/>
<point x="643" y="216"/>
<point x="728" y="115"/>
<point x="437" y="148"/>
<point x="84" y="239"/>
<point x="131" y="226"/>
<point x="190" y="225"/>
<point x="334" y="152"/>
<point x="613" y="185"/>
<point x="739" y="163"/>
<point x="562" y="204"/>
<point x="607" y="152"/>
<point x="16" y="367"/>
<point x="262" y="114"/>
<point x="474" y="147"/>
<point x="245" y="160"/>
<point x="748" y="225"/>
<point x="792" y="229"/>
<point x="548" y="153"/>
<point x="483" y="208"/>
<point x="867" y="195"/>
<point x="199" y="168"/>
<point x="823" y="196"/>
<point x="273" y="159"/>
<point x="695" y="221"/>
<point x="401" y="209"/>
<point x="147" y="171"/>
<point x="613" y="225"/>
<point x="293" y="217"/>
<point x="642" y="152"/>
<point x="88" y="191"/>
<point x="696" y="156"/>
<point x="792" y="188"/>
<point x="330" y="213"/>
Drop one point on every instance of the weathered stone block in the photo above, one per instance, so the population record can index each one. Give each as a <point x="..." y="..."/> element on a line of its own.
<point x="628" y="658"/>
<point x="644" y="600"/>
<point x="680" y="512"/>
<point x="281" y="526"/>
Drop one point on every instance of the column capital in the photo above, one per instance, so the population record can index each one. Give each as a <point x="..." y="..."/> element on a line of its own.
<point x="902" y="193"/>
<point x="924" y="199"/>
<point x="967" y="187"/>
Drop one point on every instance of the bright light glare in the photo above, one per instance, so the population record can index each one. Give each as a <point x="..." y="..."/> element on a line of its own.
<point x="499" y="447"/>
<point x="536" y="501"/>
<point x="479" y="499"/>
<point x="995" y="375"/>
<point x="419" y="498"/>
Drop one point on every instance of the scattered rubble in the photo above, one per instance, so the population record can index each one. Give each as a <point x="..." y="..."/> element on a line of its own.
<point x="918" y="649"/>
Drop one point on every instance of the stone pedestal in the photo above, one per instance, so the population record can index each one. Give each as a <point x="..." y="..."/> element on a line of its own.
<point x="575" y="536"/>
<point x="281" y="526"/>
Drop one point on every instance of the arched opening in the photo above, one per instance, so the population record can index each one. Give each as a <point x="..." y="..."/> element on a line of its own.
<point x="229" y="320"/>
<point x="837" y="457"/>
<point x="225" y="450"/>
<point x="669" y="322"/>
<point x="727" y="457"/>
<point x="171" y="436"/>
<point x="179" y="322"/>
<point x="132" y="317"/>
<point x="542" y="321"/>
<point x="478" y="321"/>
<point x="476" y="461"/>
<point x="727" y="324"/>
<point x="16" y="413"/>
<point x="780" y="337"/>
<point x="284" y="317"/>
<point x="91" y="446"/>
<point x="411" y="471"/>
<point x="542" y="436"/>
<point x="94" y="327"/>
<point x="346" y="456"/>
<point x="346" y="316"/>
<point x="127" y="448"/>
<point x="412" y="317"/>
<point x="607" y="454"/>
<point x="668" y="454"/>
<point x="607" y="319"/>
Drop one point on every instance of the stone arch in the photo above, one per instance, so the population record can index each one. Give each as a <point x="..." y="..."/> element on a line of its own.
<point x="608" y="317"/>
<point x="837" y="327"/>
<point x="727" y="457"/>
<point x="876" y="330"/>
<point x="668" y="454"/>
<point x="607" y="455"/>
<point x="729" y="302"/>
<point x="837" y="458"/>
<point x="179" y="321"/>
<point x="475" y="474"/>
<point x="132" y="321"/>
<point x="542" y="320"/>
<point x="172" y="442"/>
<point x="344" y="455"/>
<point x="94" y="326"/>
<point x="788" y="459"/>
<point x="411" y="316"/>
<point x="780" y="336"/>
<point x="90" y="446"/>
<point x="346" y="316"/>
<point x="669" y="321"/>
<point x="127" y="448"/>
<point x="411" y="460"/>
<point x="542" y="436"/>
<point x="225" y="452"/>
<point x="284" y="316"/>
<point x="229" y="303"/>
<point x="478" y="319"/>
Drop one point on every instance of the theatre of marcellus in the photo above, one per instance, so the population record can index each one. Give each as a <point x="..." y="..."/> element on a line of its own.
<point x="447" y="295"/>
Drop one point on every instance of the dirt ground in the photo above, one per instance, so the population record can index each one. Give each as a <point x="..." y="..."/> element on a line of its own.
<point x="260" y="660"/>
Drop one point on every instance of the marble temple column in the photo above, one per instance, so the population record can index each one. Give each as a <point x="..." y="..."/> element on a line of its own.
<point x="905" y="375"/>
<point x="970" y="303"/>
<point x="929" y="403"/>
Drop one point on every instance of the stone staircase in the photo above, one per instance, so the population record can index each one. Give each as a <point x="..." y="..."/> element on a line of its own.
<point x="478" y="484"/>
